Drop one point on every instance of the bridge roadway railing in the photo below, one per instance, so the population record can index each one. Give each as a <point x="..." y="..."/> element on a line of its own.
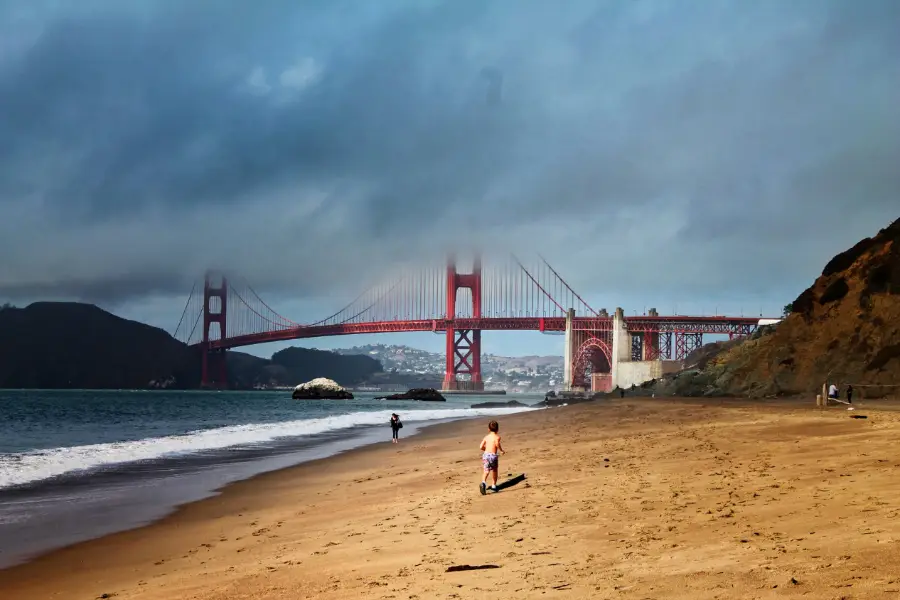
<point x="709" y="325"/>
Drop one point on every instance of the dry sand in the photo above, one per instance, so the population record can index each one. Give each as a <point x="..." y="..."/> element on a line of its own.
<point x="717" y="500"/>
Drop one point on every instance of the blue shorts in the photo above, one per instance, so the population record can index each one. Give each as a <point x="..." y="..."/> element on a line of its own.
<point x="490" y="461"/>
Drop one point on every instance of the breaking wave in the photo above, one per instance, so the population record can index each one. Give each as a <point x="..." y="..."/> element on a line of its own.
<point x="37" y="465"/>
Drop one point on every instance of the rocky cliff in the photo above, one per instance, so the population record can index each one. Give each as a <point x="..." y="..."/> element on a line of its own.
<point x="844" y="329"/>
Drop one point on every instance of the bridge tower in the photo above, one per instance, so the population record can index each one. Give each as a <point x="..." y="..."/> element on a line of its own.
<point x="463" y="345"/>
<point x="569" y="351"/>
<point x="214" y="373"/>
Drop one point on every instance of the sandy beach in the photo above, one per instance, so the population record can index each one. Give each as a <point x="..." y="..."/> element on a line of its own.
<point x="625" y="499"/>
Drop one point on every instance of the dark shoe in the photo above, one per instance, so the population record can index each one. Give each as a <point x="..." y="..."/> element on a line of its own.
<point x="483" y="488"/>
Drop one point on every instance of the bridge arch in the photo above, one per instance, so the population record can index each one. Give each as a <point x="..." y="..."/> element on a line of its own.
<point x="594" y="355"/>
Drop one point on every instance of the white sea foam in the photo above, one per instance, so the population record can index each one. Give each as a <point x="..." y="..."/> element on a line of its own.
<point x="28" y="467"/>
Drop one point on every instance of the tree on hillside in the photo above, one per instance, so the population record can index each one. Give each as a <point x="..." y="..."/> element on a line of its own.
<point x="6" y="305"/>
<point x="788" y="309"/>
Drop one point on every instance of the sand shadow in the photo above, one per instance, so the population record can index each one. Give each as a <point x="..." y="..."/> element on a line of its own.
<point x="511" y="482"/>
<point x="470" y="568"/>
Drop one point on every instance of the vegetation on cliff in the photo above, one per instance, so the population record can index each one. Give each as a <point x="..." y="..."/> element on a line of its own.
<point x="845" y="328"/>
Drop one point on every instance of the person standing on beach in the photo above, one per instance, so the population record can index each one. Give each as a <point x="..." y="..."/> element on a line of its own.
<point x="490" y="446"/>
<point x="849" y="394"/>
<point x="396" y="425"/>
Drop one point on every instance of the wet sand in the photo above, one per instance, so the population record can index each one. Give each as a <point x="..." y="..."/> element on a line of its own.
<point x="626" y="499"/>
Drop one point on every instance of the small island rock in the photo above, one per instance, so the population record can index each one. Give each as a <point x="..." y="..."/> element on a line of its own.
<point x="321" y="388"/>
<point x="510" y="404"/>
<point x="425" y="394"/>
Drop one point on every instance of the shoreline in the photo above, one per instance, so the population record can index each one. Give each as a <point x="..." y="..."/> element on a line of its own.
<point x="185" y="510"/>
<point x="324" y="527"/>
<point x="196" y="477"/>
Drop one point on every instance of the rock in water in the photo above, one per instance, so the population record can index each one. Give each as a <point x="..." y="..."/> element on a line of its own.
<point x="510" y="404"/>
<point x="321" y="388"/>
<point x="426" y="394"/>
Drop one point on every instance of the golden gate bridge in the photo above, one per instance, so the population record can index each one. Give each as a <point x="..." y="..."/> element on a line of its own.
<point x="224" y="312"/>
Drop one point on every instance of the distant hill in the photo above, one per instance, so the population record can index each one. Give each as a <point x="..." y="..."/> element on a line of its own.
<point x="72" y="345"/>
<point x="406" y="364"/>
<point x="845" y="328"/>
<point x="302" y="364"/>
<point x="58" y="345"/>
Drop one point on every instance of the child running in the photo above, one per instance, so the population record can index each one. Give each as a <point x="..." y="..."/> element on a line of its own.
<point x="490" y="446"/>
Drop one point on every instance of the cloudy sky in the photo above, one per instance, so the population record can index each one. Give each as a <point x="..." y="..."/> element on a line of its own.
<point x="705" y="155"/>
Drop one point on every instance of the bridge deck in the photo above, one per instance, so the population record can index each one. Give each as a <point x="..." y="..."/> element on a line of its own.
<point x="664" y="324"/>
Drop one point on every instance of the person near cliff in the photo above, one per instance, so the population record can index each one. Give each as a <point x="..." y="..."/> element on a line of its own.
<point x="849" y="394"/>
<point x="396" y="426"/>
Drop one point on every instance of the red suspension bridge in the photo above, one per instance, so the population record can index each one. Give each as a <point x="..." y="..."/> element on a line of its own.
<point x="223" y="313"/>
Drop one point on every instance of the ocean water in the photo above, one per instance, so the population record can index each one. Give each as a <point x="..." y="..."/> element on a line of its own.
<point x="79" y="464"/>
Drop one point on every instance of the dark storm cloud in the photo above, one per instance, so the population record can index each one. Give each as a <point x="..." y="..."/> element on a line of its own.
<point x="306" y="145"/>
